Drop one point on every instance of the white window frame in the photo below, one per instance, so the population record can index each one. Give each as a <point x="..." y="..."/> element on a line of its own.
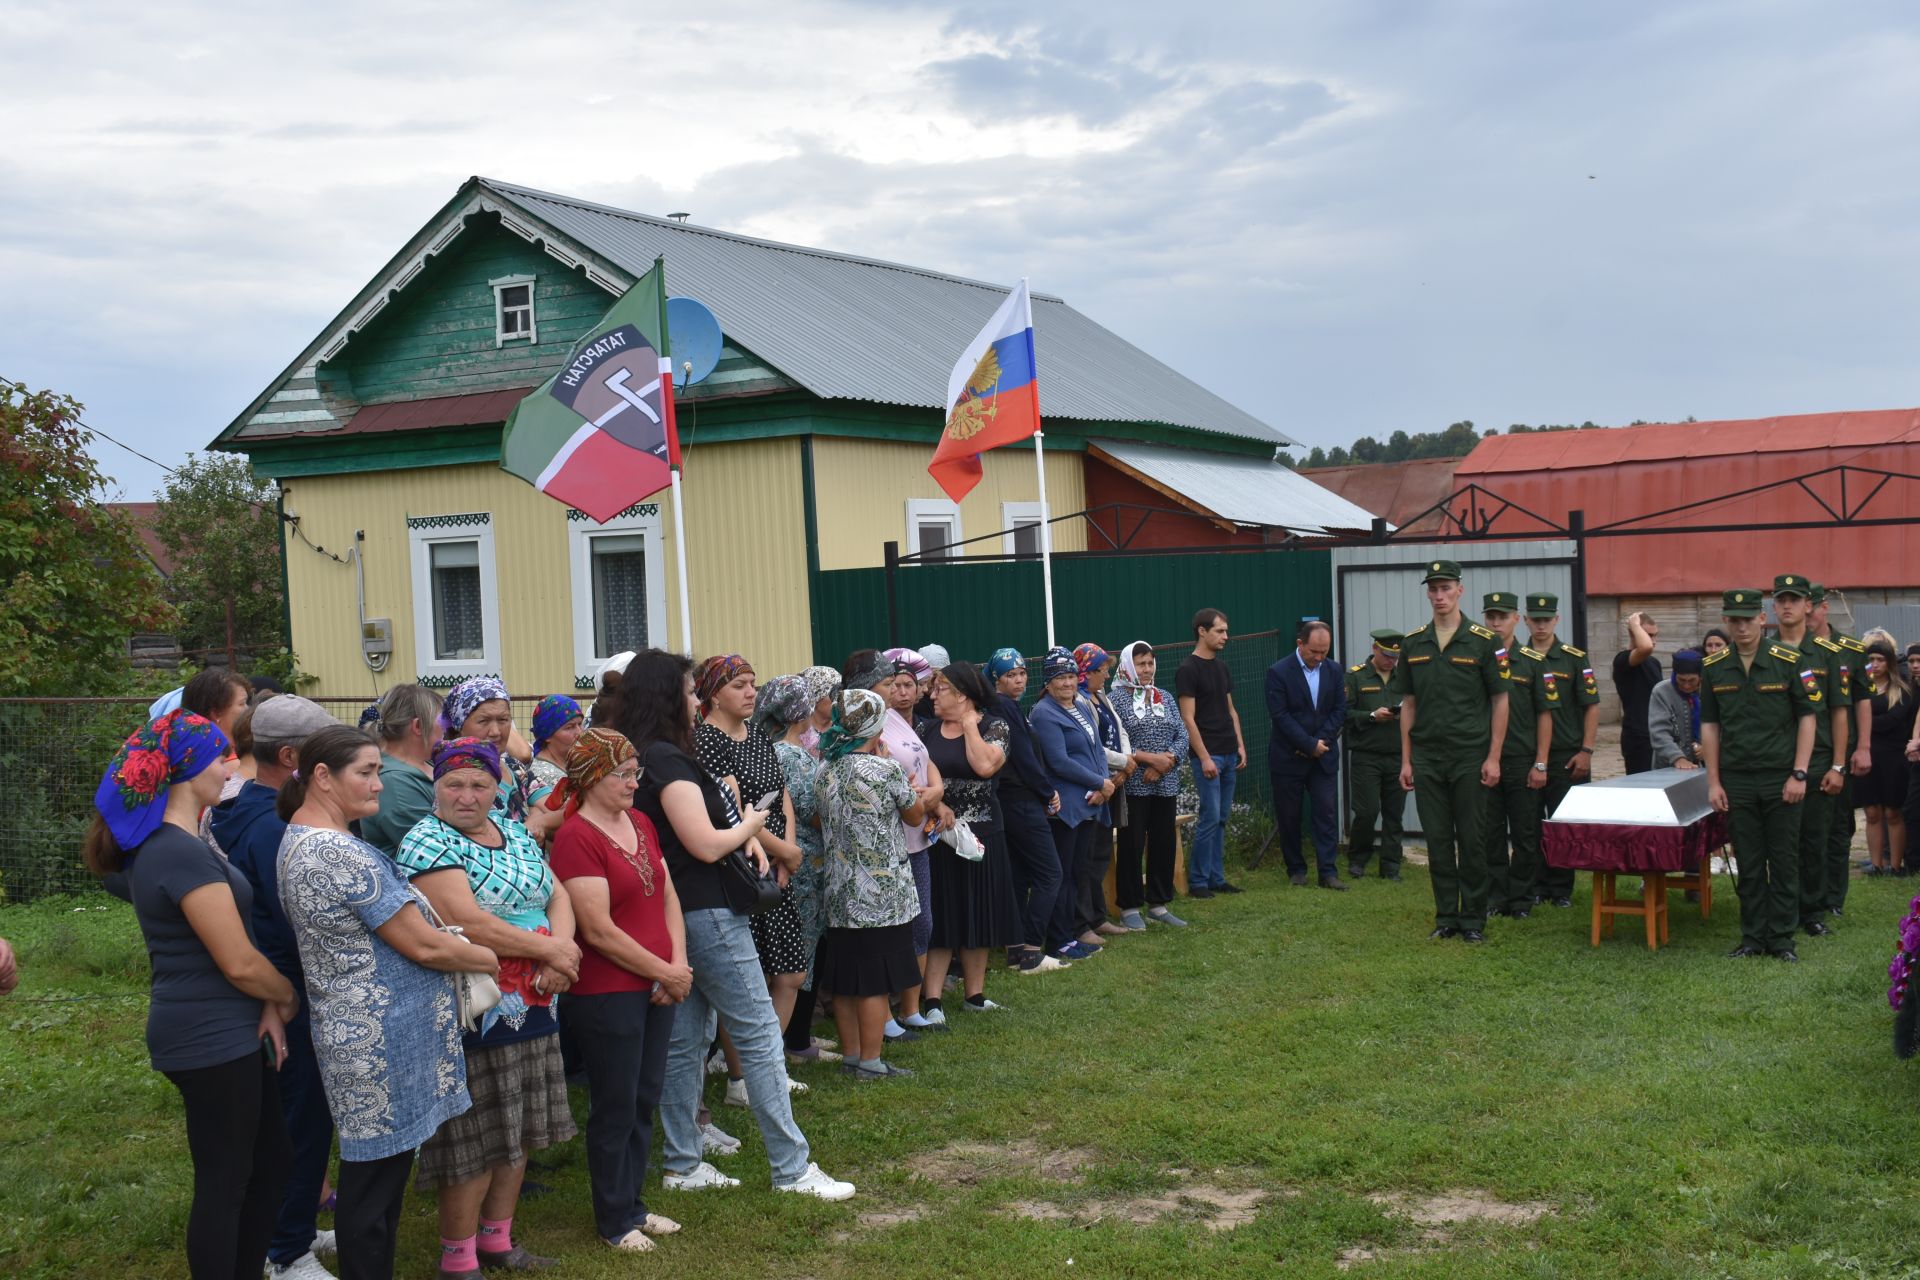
<point x="423" y="532"/>
<point x="500" y="335"/>
<point x="919" y="509"/>
<point x="644" y="519"/>
<point x="1011" y="514"/>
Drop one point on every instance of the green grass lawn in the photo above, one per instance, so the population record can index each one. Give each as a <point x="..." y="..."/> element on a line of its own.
<point x="1299" y="1081"/>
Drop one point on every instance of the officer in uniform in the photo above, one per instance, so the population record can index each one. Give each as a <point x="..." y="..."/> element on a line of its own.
<point x="1570" y="695"/>
<point x="1513" y="806"/>
<point x="1453" y="723"/>
<point x="1859" y="690"/>
<point x="1756" y="736"/>
<point x="1373" y="758"/>
<point x="1825" y="669"/>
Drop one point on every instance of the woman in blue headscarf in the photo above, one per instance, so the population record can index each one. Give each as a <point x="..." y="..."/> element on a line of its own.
<point x="1066" y="733"/>
<point x="1027" y="798"/>
<point x="216" y="1024"/>
<point x="556" y="727"/>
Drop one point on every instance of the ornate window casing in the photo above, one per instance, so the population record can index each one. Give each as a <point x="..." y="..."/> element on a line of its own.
<point x="933" y="522"/>
<point x="619" y="586"/>
<point x="456" y="597"/>
<point x="513" y="317"/>
<point x="1021" y="524"/>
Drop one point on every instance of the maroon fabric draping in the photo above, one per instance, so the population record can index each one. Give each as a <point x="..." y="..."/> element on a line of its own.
<point x="1594" y="846"/>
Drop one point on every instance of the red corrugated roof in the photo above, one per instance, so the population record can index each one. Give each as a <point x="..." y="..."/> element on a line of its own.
<point x="1397" y="490"/>
<point x="1562" y="450"/>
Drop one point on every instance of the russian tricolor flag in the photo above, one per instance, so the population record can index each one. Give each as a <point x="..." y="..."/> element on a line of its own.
<point x="992" y="397"/>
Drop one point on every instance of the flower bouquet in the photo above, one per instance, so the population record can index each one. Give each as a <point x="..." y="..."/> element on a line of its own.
<point x="1900" y="993"/>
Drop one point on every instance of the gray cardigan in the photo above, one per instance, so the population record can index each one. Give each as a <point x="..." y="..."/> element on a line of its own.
<point x="1670" y="725"/>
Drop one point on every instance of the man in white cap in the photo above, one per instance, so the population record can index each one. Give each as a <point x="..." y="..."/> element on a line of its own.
<point x="249" y="830"/>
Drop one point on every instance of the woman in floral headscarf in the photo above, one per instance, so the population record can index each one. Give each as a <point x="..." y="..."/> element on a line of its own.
<point x="1094" y="663"/>
<point x="556" y="724"/>
<point x="479" y="707"/>
<point x="867" y="954"/>
<point x="484" y="873"/>
<point x="785" y="712"/>
<point x="1027" y="800"/>
<point x="1159" y="736"/>
<point x="902" y="690"/>
<point x="823" y="686"/>
<point x="215" y="996"/>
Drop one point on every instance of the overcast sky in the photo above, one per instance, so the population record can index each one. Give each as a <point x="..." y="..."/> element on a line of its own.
<point x="1347" y="218"/>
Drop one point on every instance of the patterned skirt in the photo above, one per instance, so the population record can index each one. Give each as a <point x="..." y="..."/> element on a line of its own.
<point x="519" y="1092"/>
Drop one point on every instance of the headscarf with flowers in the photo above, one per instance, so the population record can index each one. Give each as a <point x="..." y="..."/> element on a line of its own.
<point x="1089" y="658"/>
<point x="1147" y="699"/>
<point x="713" y="675"/>
<point x="468" y="694"/>
<point x="554" y="713"/>
<point x="1003" y="661"/>
<point x="596" y="753"/>
<point x="1057" y="662"/>
<point x="858" y="717"/>
<point x="465" y="753"/>
<point x="821" y="682"/>
<point x="784" y="701"/>
<point x="132" y="796"/>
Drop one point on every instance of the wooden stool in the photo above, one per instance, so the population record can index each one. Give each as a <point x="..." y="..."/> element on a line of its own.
<point x="1182" y="825"/>
<point x="1651" y="905"/>
<point x="1700" y="881"/>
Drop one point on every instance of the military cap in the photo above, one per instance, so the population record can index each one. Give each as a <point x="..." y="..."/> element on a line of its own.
<point x="1387" y="640"/>
<point x="1819" y="593"/>
<point x="1437" y="569"/>
<point x="1504" y="601"/>
<point x="1742" y="602"/>
<point x="1789" y="584"/>
<point x="1543" y="604"/>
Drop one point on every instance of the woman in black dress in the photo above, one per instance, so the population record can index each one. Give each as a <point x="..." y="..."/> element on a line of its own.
<point x="740" y="754"/>
<point x="974" y="908"/>
<point x="1883" y="792"/>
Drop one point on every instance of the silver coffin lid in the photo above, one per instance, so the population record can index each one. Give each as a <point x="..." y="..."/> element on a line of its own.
<point x="1662" y="798"/>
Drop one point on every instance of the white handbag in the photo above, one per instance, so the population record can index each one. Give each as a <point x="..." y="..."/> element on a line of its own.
<point x="474" y="994"/>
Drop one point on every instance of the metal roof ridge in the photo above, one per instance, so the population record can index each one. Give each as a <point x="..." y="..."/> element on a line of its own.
<point x="511" y="190"/>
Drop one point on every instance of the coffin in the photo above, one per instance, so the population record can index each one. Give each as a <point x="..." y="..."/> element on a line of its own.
<point x="1662" y="798"/>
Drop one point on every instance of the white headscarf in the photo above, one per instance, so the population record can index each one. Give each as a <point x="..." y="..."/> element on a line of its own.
<point x="1147" y="699"/>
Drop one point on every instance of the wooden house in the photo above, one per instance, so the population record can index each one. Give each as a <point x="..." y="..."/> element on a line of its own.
<point x="806" y="450"/>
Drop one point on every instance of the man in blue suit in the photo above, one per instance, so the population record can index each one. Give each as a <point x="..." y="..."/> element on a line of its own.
<point x="1306" y="708"/>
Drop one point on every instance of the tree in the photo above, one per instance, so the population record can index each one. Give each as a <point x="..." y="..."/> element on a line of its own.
<point x="75" y="583"/>
<point x="223" y="529"/>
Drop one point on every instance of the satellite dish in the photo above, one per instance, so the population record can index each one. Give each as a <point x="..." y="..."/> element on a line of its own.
<point x="694" y="336"/>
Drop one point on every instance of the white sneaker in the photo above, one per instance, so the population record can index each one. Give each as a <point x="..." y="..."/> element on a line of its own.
<point x="737" y="1093"/>
<point x="658" y="1224"/>
<point x="307" y="1267"/>
<point x="985" y="1006"/>
<point x="632" y="1242"/>
<point x="797" y="1086"/>
<point x="815" y="1183"/>
<point x="936" y="1017"/>
<point x="1048" y="964"/>
<point x="704" y="1177"/>
<point x="323" y="1242"/>
<point x="717" y="1064"/>
<point x="716" y="1142"/>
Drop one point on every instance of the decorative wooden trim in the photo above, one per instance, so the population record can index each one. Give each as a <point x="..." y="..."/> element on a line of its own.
<point x="637" y="509"/>
<point x="447" y="682"/>
<point x="460" y="521"/>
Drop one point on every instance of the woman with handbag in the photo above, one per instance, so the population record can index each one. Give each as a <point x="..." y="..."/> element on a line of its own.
<point x="383" y="1006"/>
<point x="483" y="873"/>
<point x="633" y="975"/>
<point x="867" y="954"/>
<point x="721" y="877"/>
<point x="974" y="908"/>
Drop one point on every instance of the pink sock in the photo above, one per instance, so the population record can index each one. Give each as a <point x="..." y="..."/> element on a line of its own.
<point x="497" y="1237"/>
<point x="458" y="1255"/>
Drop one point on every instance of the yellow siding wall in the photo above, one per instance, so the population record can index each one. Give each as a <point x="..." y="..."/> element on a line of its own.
<point x="747" y="569"/>
<point x="862" y="487"/>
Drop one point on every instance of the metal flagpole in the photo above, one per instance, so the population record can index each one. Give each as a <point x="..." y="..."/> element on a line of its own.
<point x="680" y="554"/>
<point x="1040" y="470"/>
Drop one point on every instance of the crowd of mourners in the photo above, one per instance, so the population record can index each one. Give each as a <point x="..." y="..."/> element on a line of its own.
<point x="409" y="936"/>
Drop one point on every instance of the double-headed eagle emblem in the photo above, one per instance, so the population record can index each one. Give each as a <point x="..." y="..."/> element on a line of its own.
<point x="972" y="414"/>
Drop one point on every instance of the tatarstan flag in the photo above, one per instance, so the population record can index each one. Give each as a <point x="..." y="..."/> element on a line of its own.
<point x="599" y="434"/>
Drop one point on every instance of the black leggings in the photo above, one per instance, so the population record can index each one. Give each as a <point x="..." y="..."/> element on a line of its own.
<point x="1149" y="827"/>
<point x="367" y="1222"/>
<point x="241" y="1161"/>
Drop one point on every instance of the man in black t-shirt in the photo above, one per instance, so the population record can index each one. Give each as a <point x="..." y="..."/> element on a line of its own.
<point x="1635" y="674"/>
<point x="1204" y="689"/>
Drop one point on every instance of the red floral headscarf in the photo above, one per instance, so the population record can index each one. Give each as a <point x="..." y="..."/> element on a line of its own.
<point x="132" y="796"/>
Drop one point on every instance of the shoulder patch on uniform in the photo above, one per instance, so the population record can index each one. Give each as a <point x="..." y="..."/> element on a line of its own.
<point x="1784" y="652"/>
<point x="1480" y="631"/>
<point x="1717" y="656"/>
<point x="1578" y="653"/>
<point x="1421" y="630"/>
<point x="1849" y="642"/>
<point x="1533" y="653"/>
<point x="1825" y="643"/>
<point x="1358" y="666"/>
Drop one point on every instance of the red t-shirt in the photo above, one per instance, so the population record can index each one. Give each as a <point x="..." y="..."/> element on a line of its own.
<point x="581" y="849"/>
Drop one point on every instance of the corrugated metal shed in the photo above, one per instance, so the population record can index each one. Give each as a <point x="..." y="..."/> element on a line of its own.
<point x="850" y="328"/>
<point x="1243" y="490"/>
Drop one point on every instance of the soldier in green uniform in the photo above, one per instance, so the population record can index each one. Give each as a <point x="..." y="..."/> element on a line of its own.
<point x="1824" y="668"/>
<point x="1513" y="806"/>
<point x="1453" y="722"/>
<point x="1570" y="696"/>
<point x="1373" y="758"/>
<point x="1859" y="691"/>
<point x="1756" y="736"/>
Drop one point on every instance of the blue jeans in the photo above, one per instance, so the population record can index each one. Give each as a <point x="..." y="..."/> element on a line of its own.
<point x="1207" y="864"/>
<point x="728" y="983"/>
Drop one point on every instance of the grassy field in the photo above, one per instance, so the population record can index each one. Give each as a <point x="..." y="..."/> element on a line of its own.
<point x="1299" y="1084"/>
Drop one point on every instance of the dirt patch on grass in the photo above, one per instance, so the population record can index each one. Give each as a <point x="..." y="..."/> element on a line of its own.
<point x="965" y="1164"/>
<point x="1215" y="1208"/>
<point x="1452" y="1208"/>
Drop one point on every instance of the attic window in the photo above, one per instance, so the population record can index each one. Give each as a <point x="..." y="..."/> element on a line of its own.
<point x="513" y="310"/>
